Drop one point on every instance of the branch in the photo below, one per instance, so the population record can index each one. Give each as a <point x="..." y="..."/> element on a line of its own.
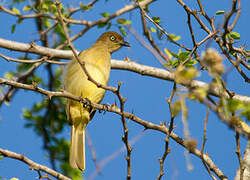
<point x="121" y="65"/>
<point x="246" y="162"/>
<point x="33" y="165"/>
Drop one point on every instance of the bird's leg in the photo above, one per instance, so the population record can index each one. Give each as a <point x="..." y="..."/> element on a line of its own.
<point x="86" y="103"/>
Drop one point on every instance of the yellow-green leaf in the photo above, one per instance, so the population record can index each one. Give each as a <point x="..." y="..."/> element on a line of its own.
<point x="220" y="12"/>
<point x="235" y="35"/>
<point x="26" y="8"/>
<point x="168" y="53"/>
<point x="174" y="37"/>
<point x="16" y="11"/>
<point x="152" y="29"/>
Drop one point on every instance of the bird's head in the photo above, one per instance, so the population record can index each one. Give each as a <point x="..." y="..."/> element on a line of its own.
<point x="112" y="41"/>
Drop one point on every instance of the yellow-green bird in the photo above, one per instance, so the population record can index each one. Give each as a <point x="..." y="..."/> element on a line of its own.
<point x="97" y="62"/>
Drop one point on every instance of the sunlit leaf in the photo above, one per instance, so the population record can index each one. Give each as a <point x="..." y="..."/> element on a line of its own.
<point x="123" y="21"/>
<point x="168" y="53"/>
<point x="156" y="19"/>
<point x="235" y="35"/>
<point x="152" y="29"/>
<point x="16" y="11"/>
<point x="105" y="14"/>
<point x="174" y="37"/>
<point x="220" y="12"/>
<point x="27" y="8"/>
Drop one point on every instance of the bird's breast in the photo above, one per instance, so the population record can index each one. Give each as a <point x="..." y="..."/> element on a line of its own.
<point x="77" y="83"/>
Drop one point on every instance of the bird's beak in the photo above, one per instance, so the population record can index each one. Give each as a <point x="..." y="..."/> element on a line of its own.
<point x="124" y="43"/>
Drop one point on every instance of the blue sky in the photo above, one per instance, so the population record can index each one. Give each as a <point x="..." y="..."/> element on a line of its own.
<point x="146" y="97"/>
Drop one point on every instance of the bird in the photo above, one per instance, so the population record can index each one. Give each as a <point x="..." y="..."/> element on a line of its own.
<point x="97" y="60"/>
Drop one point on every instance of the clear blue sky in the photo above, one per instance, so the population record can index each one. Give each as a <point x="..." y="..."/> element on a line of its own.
<point x="146" y="97"/>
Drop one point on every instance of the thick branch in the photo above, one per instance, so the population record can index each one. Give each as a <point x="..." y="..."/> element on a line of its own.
<point x="115" y="64"/>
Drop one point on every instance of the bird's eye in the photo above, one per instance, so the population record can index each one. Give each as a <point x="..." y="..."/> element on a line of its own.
<point x="112" y="38"/>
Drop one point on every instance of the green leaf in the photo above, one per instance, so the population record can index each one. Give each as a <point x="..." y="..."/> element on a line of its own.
<point x="234" y="105"/>
<point x="152" y="29"/>
<point x="246" y="111"/>
<point x="86" y="8"/>
<point x="190" y="63"/>
<point x="16" y="11"/>
<point x="13" y="28"/>
<point x="27" y="8"/>
<point x="104" y="14"/>
<point x="235" y="35"/>
<point x="122" y="30"/>
<point x="174" y="37"/>
<point x="46" y="22"/>
<point x="109" y="24"/>
<point x="27" y="113"/>
<point x="101" y="25"/>
<point x="156" y="19"/>
<point x="45" y="7"/>
<point x="9" y="75"/>
<point x="168" y="53"/>
<point x="182" y="56"/>
<point x="220" y="12"/>
<point x="123" y="21"/>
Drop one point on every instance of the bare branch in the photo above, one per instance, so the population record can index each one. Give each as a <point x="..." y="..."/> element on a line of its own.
<point x="33" y="165"/>
<point x="121" y="65"/>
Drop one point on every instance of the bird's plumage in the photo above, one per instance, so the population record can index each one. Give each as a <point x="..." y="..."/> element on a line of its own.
<point x="97" y="62"/>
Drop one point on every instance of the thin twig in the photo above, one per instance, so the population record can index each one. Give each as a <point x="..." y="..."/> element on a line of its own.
<point x="93" y="153"/>
<point x="203" y="145"/>
<point x="171" y="127"/>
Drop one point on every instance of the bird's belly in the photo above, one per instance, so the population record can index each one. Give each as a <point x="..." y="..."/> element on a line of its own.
<point x="81" y="86"/>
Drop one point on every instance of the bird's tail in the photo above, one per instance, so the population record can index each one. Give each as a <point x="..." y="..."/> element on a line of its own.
<point x="77" y="147"/>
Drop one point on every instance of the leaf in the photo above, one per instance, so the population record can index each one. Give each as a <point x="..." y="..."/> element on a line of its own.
<point x="27" y="8"/>
<point x="220" y="12"/>
<point x="46" y="22"/>
<point x="109" y="24"/>
<point x="45" y="7"/>
<point x="152" y="29"/>
<point x="174" y="37"/>
<point x="123" y="21"/>
<point x="156" y="19"/>
<point x="235" y="35"/>
<point x="101" y="25"/>
<point x="27" y="114"/>
<point x="234" y="105"/>
<point x="9" y="75"/>
<point x="246" y="111"/>
<point x="86" y="8"/>
<point x="16" y="11"/>
<point x="104" y="14"/>
<point x="182" y="56"/>
<point x="13" y="28"/>
<point x="190" y="63"/>
<point x="14" y="178"/>
<point x="122" y="30"/>
<point x="168" y="53"/>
